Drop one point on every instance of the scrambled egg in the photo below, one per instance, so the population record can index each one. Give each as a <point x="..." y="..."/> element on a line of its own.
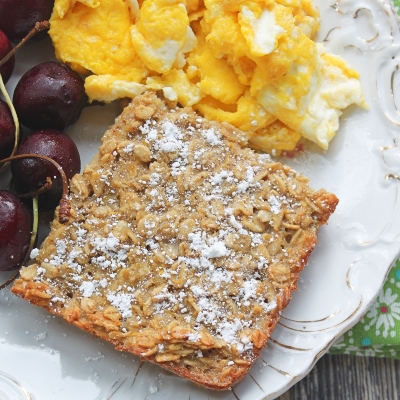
<point x="252" y="63"/>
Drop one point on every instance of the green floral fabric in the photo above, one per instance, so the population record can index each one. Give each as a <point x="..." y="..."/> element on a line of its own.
<point x="378" y="333"/>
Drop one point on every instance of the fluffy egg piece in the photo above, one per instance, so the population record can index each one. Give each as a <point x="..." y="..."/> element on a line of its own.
<point x="94" y="36"/>
<point x="161" y="32"/>
<point x="309" y="99"/>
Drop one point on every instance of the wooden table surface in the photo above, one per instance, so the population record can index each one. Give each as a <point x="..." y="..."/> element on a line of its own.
<point x="339" y="377"/>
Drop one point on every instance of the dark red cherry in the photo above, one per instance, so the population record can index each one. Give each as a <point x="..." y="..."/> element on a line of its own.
<point x="49" y="96"/>
<point x="18" y="17"/>
<point x="7" y="130"/>
<point x="15" y="231"/>
<point x="30" y="174"/>
<point x="6" y="69"/>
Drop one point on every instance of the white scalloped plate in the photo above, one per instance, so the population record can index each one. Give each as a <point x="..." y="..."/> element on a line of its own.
<point x="42" y="357"/>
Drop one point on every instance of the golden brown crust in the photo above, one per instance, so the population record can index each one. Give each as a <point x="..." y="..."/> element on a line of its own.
<point x="183" y="247"/>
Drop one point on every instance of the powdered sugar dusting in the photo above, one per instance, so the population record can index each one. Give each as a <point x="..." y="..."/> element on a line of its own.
<point x="122" y="301"/>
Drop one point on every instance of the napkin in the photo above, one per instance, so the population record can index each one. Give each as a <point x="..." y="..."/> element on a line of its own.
<point x="378" y="333"/>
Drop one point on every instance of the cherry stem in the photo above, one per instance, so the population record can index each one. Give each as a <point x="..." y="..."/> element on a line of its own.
<point x="8" y="281"/>
<point x="47" y="186"/>
<point x="65" y="208"/>
<point x="10" y="183"/>
<point x="15" y="119"/>
<point x="35" y="225"/>
<point x="39" y="26"/>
